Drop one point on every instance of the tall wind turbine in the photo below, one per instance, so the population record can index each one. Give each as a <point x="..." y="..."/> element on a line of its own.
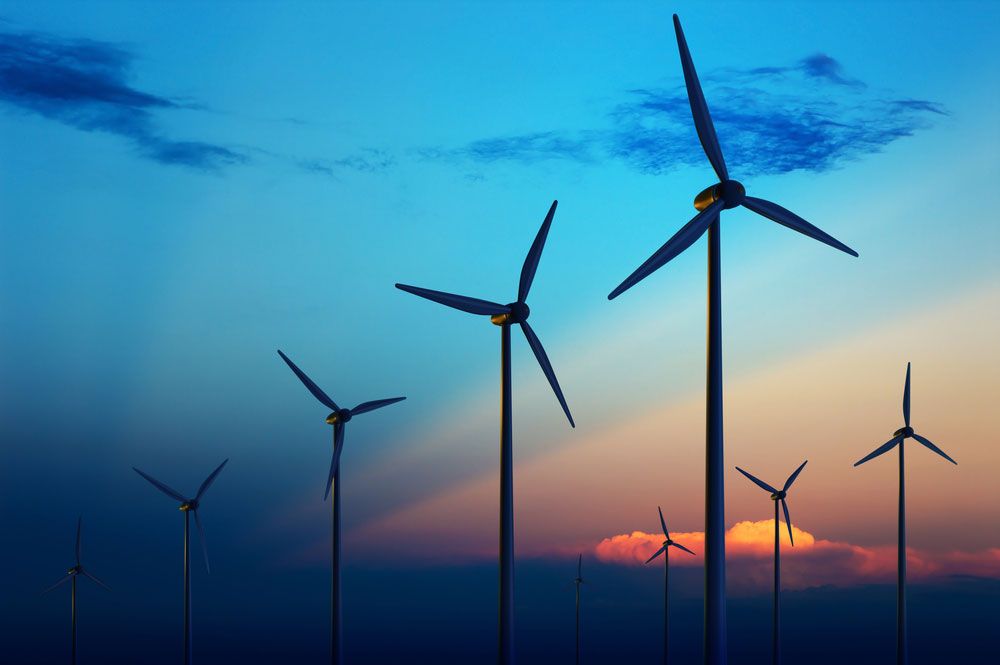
<point x="504" y="316"/>
<point x="898" y="437"/>
<point x="710" y="203"/>
<point x="188" y="507"/>
<point x="71" y="576"/>
<point x="665" y="551"/>
<point x="578" y="581"/>
<point x="338" y="418"/>
<point x="778" y="496"/>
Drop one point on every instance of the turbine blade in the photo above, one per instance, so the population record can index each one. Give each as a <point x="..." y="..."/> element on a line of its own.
<point x="906" y="397"/>
<point x="308" y="383"/>
<point x="791" y="478"/>
<point x="543" y="361"/>
<point x="338" y="446"/>
<point x="365" y="407"/>
<point x="680" y="241"/>
<point x="787" y="218"/>
<point x="172" y="493"/>
<point x="79" y="527"/>
<point x="679" y="546"/>
<point x="58" y="584"/>
<point x="663" y="523"/>
<point x="464" y="303"/>
<point x="534" y="254"/>
<point x="757" y="481"/>
<point x="211" y="479"/>
<point x="658" y="553"/>
<point x="94" y="578"/>
<point x="788" y="522"/>
<point x="934" y="448"/>
<point x="699" y="109"/>
<point x="881" y="450"/>
<point x="201" y="537"/>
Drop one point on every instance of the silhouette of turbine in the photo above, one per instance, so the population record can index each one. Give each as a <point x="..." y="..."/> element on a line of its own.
<point x="504" y="316"/>
<point x="898" y="437"/>
<point x="778" y="496"/>
<point x="338" y="418"/>
<point x="188" y="507"/>
<point x="578" y="581"/>
<point x="665" y="551"/>
<point x="71" y="576"/>
<point x="710" y="203"/>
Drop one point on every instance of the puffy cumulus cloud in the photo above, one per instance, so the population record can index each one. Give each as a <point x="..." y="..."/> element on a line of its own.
<point x="811" y="562"/>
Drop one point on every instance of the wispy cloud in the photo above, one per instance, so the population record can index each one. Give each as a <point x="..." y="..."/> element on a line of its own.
<point x="807" y="116"/>
<point x="811" y="562"/>
<point x="85" y="84"/>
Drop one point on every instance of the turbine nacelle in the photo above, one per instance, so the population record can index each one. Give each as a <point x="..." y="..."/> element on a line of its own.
<point x="732" y="193"/>
<point x="75" y="570"/>
<point x="339" y="416"/>
<point x="188" y="506"/>
<point x="778" y="496"/>
<point x="905" y="432"/>
<point x="519" y="312"/>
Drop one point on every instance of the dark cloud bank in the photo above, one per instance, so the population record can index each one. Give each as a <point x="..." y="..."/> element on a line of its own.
<point x="807" y="116"/>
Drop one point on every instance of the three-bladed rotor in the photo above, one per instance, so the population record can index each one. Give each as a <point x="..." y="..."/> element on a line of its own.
<point x="516" y="312"/>
<point x="779" y="495"/>
<point x="78" y="569"/>
<point x="189" y="504"/>
<point x="904" y="432"/>
<point x="725" y="194"/>
<point x="668" y="541"/>
<point x="338" y="417"/>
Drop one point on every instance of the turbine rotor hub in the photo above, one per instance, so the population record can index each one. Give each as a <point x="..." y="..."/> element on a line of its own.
<point x="341" y="416"/>
<point x="188" y="505"/>
<point x="905" y="432"/>
<point x="730" y="192"/>
<point x="519" y="312"/>
<point x="778" y="496"/>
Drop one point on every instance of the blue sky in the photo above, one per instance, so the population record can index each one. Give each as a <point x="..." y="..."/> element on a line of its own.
<point x="186" y="190"/>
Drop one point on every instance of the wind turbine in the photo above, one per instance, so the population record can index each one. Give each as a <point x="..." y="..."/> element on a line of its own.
<point x="710" y="203"/>
<point x="71" y="576"/>
<point x="898" y="437"/>
<point x="504" y="316"/>
<point x="338" y="418"/>
<point x="578" y="581"/>
<point x="188" y="506"/>
<point x="665" y="551"/>
<point x="778" y="496"/>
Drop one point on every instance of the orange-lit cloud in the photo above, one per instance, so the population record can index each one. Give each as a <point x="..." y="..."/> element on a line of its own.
<point x="812" y="562"/>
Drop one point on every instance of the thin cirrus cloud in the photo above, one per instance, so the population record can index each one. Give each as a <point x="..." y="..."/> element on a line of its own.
<point x="85" y="84"/>
<point x="811" y="562"/>
<point x="808" y="116"/>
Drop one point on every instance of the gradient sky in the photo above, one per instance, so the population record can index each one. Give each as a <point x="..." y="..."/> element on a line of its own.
<point x="185" y="189"/>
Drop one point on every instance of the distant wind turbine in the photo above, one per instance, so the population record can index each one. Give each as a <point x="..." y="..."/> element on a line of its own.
<point x="578" y="581"/>
<point x="665" y="551"/>
<point x="71" y="576"/>
<point x="898" y="437"/>
<point x="188" y="506"/>
<point x="778" y="496"/>
<point x="505" y="316"/>
<point x="338" y="418"/>
<point x="710" y="203"/>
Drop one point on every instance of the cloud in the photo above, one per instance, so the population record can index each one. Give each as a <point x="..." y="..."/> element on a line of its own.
<point x="812" y="562"/>
<point x="84" y="84"/>
<point x="808" y="116"/>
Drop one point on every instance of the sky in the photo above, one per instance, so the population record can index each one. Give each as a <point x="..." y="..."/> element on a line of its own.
<point x="185" y="190"/>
